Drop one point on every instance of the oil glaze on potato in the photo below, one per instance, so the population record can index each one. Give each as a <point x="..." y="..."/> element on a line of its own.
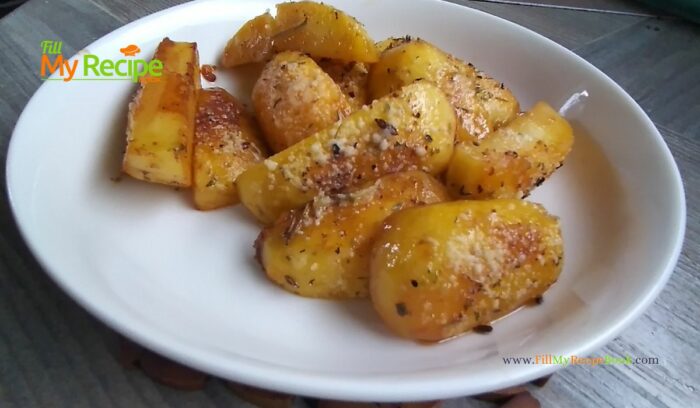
<point x="294" y="98"/>
<point x="160" y="125"/>
<point x="226" y="142"/>
<point x="440" y="270"/>
<point x="322" y="31"/>
<point x="514" y="159"/>
<point x="482" y="104"/>
<point x="322" y="250"/>
<point x="316" y="29"/>
<point x="252" y="42"/>
<point x="412" y="129"/>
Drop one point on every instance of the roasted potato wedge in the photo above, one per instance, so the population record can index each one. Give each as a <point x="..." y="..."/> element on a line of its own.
<point x="514" y="159"/>
<point x="351" y="77"/>
<point x="294" y="98"/>
<point x="226" y="142"/>
<point x="252" y="42"/>
<point x="161" y="119"/>
<point x="316" y="29"/>
<point x="392" y="42"/>
<point x="322" y="31"/>
<point x="481" y="103"/>
<point x="322" y="250"/>
<point x="413" y="130"/>
<point x="404" y="61"/>
<point x="440" y="270"/>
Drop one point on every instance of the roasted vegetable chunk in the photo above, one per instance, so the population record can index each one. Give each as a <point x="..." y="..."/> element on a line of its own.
<point x="481" y="103"/>
<point x="226" y="142"/>
<point x="440" y="270"/>
<point x="351" y="77"/>
<point x="161" y="119"/>
<point x="514" y="159"/>
<point x="322" y="31"/>
<point x="413" y="130"/>
<point x="322" y="250"/>
<point x="294" y="98"/>
<point x="316" y="29"/>
<point x="252" y="43"/>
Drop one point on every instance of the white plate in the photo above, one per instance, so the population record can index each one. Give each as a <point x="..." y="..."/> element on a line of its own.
<point x="185" y="283"/>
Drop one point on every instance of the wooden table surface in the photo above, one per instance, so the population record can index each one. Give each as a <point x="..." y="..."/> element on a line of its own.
<point x="52" y="353"/>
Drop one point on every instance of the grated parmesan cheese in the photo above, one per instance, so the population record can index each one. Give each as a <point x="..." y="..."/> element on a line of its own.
<point x="477" y="255"/>
<point x="383" y="145"/>
<point x="317" y="153"/>
<point x="271" y="165"/>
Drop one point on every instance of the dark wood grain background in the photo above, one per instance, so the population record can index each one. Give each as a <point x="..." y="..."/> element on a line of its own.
<point x="52" y="353"/>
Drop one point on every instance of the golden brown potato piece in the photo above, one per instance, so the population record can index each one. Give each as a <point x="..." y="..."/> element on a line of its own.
<point x="294" y="98"/>
<point x="226" y="142"/>
<point x="413" y="130"/>
<point x="514" y="159"/>
<point x="161" y="119"/>
<point x="322" y="31"/>
<point x="351" y="77"/>
<point x="322" y="250"/>
<point x="252" y="43"/>
<point x="392" y="42"/>
<point x="316" y="29"/>
<point x="404" y="61"/>
<point x="440" y="270"/>
<point x="481" y="103"/>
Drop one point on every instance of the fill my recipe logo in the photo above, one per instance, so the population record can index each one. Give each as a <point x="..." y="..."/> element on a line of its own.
<point x="90" y="67"/>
